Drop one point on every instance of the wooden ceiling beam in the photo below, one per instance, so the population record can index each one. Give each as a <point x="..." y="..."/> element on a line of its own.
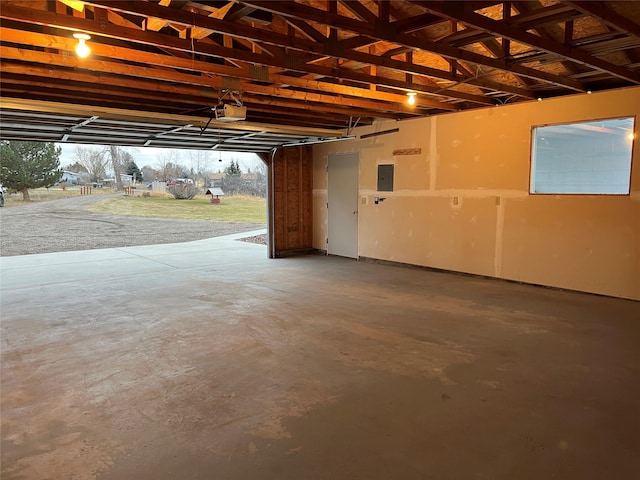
<point x="334" y="49"/>
<point x="120" y="53"/>
<point x="40" y="74"/>
<point x="397" y="51"/>
<point x="55" y="94"/>
<point x="359" y="10"/>
<point x="215" y="82"/>
<point x="187" y="63"/>
<point x="154" y="24"/>
<point x="358" y="41"/>
<point x="460" y="12"/>
<point x="527" y="10"/>
<point x="305" y="29"/>
<point x="119" y="20"/>
<point x="136" y="90"/>
<point x="311" y="110"/>
<point x="64" y="81"/>
<point x="330" y="48"/>
<point x="608" y="16"/>
<point x="467" y="36"/>
<point x="531" y="18"/>
<point x="386" y="34"/>
<point x="60" y="97"/>
<point x="135" y="116"/>
<point x="525" y="20"/>
<point x="237" y="11"/>
<point x="282" y="119"/>
<point x="218" y="12"/>
<point x="383" y="11"/>
<point x="413" y="24"/>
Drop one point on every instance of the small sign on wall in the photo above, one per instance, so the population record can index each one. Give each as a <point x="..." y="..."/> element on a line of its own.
<point x="385" y="178"/>
<point x="407" y="151"/>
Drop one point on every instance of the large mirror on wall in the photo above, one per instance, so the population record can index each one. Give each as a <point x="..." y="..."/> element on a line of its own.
<point x="591" y="157"/>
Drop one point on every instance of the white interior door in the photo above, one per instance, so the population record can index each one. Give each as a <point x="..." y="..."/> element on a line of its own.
<point x="343" y="205"/>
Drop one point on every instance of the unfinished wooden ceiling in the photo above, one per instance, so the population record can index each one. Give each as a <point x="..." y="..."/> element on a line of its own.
<point x="309" y="68"/>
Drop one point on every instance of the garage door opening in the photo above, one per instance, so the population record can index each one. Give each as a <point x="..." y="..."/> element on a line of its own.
<point x="156" y="196"/>
<point x="285" y="148"/>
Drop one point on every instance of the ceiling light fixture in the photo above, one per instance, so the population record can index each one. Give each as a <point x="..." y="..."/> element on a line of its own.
<point x="82" y="49"/>
<point x="411" y="100"/>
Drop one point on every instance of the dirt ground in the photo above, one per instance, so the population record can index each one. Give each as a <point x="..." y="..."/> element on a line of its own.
<point x="66" y="225"/>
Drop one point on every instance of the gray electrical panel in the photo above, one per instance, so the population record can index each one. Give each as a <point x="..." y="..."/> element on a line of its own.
<point x="385" y="178"/>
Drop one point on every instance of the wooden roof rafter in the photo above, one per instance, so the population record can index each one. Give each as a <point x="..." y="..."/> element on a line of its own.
<point x="388" y="34"/>
<point x="459" y="12"/>
<point x="316" y="61"/>
<point x="337" y="50"/>
<point x="163" y="41"/>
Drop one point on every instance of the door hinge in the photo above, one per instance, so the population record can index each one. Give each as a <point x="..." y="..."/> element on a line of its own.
<point x="327" y="204"/>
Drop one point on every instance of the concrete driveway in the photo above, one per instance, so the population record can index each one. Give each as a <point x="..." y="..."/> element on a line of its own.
<point x="65" y="225"/>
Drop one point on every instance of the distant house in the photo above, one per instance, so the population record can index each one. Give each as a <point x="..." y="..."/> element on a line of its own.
<point x="124" y="178"/>
<point x="70" y="178"/>
<point x="215" y="179"/>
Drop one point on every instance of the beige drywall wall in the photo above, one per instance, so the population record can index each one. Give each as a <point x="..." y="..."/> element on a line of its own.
<point x="462" y="203"/>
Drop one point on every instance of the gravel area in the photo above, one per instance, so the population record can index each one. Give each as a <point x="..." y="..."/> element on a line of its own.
<point x="66" y="225"/>
<point x="259" y="239"/>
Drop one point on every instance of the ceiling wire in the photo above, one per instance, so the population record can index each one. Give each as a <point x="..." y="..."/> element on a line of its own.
<point x="193" y="48"/>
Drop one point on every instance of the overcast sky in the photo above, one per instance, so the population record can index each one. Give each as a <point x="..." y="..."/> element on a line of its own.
<point x="150" y="157"/>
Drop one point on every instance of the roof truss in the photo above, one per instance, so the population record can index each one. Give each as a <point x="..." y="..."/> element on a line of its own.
<point x="314" y="64"/>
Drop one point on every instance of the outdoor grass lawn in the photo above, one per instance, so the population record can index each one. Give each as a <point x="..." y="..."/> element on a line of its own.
<point x="237" y="208"/>
<point x="47" y="194"/>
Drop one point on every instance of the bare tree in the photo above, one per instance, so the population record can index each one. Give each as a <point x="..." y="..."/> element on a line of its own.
<point x="200" y="171"/>
<point x="166" y="166"/>
<point x="149" y="174"/>
<point x="94" y="160"/>
<point x="120" y="158"/>
<point x="260" y="169"/>
<point x="117" y="164"/>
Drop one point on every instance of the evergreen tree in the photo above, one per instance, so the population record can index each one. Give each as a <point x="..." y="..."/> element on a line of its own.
<point x="25" y="165"/>
<point x="233" y="170"/>
<point x="132" y="169"/>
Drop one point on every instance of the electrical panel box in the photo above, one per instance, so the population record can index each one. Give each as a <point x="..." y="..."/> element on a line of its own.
<point x="385" y="178"/>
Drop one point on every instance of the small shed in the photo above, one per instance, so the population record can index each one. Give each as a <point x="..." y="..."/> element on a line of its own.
<point x="215" y="193"/>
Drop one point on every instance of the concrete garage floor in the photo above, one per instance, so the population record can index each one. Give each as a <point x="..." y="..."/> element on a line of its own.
<point x="205" y="360"/>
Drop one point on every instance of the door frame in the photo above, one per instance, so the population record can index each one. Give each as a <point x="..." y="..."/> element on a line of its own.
<point x="353" y="157"/>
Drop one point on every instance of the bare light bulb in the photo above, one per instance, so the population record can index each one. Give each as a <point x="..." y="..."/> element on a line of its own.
<point x="82" y="49"/>
<point x="411" y="100"/>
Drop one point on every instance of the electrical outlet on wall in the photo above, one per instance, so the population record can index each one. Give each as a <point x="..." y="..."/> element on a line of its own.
<point x="364" y="200"/>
